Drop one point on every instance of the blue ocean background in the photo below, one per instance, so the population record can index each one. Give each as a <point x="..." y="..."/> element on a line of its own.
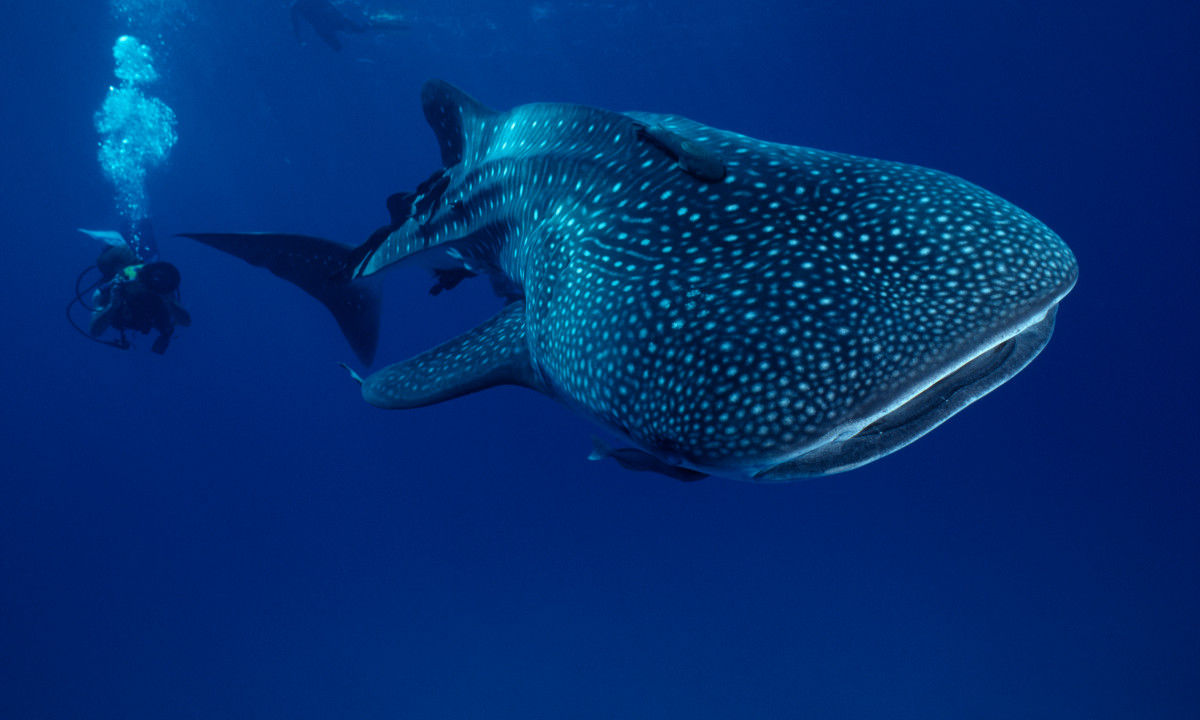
<point x="228" y="531"/>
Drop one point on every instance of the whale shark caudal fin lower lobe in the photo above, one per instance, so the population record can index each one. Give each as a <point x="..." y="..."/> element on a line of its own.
<point x="318" y="267"/>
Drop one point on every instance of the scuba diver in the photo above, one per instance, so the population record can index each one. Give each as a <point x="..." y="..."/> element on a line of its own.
<point x="132" y="293"/>
<point x="327" y="21"/>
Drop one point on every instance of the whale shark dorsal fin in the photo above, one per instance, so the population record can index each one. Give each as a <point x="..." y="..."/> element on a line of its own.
<point x="454" y="116"/>
<point x="492" y="353"/>
<point x="694" y="159"/>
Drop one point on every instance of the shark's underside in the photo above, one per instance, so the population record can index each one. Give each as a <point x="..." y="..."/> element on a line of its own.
<point x="729" y="306"/>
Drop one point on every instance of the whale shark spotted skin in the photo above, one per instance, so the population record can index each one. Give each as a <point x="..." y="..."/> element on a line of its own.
<point x="728" y="306"/>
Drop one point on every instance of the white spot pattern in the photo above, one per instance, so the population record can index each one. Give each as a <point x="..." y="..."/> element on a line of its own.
<point x="732" y="324"/>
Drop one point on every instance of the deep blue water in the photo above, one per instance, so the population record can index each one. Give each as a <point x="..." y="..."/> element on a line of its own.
<point x="228" y="531"/>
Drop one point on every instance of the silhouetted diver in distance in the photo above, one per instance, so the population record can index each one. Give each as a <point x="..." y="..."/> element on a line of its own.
<point x="328" y="21"/>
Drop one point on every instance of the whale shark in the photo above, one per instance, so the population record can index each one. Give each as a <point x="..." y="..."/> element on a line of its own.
<point x="721" y="304"/>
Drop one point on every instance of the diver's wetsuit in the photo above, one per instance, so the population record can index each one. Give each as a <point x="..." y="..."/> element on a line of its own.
<point x="327" y="21"/>
<point x="138" y="297"/>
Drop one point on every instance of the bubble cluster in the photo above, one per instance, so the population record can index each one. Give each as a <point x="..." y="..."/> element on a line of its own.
<point x="134" y="65"/>
<point x="136" y="132"/>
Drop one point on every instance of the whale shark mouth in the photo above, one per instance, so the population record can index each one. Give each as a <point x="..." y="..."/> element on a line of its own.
<point x="929" y="405"/>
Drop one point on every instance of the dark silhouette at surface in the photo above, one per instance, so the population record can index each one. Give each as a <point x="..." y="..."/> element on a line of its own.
<point x="131" y="295"/>
<point x="328" y="21"/>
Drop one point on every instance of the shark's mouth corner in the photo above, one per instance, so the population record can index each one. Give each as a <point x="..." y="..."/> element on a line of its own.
<point x="926" y="408"/>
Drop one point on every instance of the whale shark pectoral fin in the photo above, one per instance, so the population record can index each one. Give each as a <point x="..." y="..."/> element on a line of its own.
<point x="319" y="268"/>
<point x="493" y="353"/>
<point x="454" y="116"/>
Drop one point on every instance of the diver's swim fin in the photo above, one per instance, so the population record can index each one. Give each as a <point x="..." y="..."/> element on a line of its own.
<point x="108" y="237"/>
<point x="316" y="266"/>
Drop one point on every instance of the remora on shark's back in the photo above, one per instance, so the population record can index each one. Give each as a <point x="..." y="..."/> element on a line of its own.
<point x="729" y="306"/>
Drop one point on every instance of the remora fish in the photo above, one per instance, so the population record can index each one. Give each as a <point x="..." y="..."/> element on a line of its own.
<point x="727" y="305"/>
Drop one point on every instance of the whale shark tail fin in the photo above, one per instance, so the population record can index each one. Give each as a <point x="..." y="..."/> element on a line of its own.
<point x="318" y="267"/>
